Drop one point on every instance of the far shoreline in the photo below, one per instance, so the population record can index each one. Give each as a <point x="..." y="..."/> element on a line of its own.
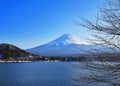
<point x="32" y="61"/>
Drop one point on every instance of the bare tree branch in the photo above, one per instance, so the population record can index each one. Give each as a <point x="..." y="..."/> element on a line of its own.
<point x="105" y="31"/>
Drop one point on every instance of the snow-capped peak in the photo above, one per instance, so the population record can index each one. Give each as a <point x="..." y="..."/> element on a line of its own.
<point x="65" y="45"/>
<point x="65" y="39"/>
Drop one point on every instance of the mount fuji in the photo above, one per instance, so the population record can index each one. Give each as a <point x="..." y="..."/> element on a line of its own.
<point x="65" y="45"/>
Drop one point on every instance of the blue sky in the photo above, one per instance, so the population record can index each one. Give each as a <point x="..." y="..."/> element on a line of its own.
<point x="29" y="23"/>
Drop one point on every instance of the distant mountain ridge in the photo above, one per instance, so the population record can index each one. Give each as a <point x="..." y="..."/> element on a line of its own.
<point x="65" y="45"/>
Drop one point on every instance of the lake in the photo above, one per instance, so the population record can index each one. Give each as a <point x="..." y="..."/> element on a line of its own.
<point x="36" y="74"/>
<point x="42" y="74"/>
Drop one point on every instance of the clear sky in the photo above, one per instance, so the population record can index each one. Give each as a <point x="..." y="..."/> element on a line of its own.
<point x="29" y="23"/>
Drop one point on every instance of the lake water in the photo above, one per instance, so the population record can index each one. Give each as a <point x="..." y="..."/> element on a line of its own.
<point x="36" y="74"/>
<point x="42" y="74"/>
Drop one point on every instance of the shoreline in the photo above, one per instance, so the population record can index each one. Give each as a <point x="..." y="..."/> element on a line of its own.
<point x="13" y="61"/>
<point x="31" y="61"/>
<point x="1" y="61"/>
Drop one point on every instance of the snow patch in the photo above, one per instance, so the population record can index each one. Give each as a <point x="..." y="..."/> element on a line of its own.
<point x="66" y="39"/>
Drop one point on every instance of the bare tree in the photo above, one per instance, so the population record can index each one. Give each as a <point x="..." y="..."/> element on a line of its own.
<point x="105" y="31"/>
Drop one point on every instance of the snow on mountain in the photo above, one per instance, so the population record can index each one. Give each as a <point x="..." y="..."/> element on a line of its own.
<point x="65" y="45"/>
<point x="64" y="40"/>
